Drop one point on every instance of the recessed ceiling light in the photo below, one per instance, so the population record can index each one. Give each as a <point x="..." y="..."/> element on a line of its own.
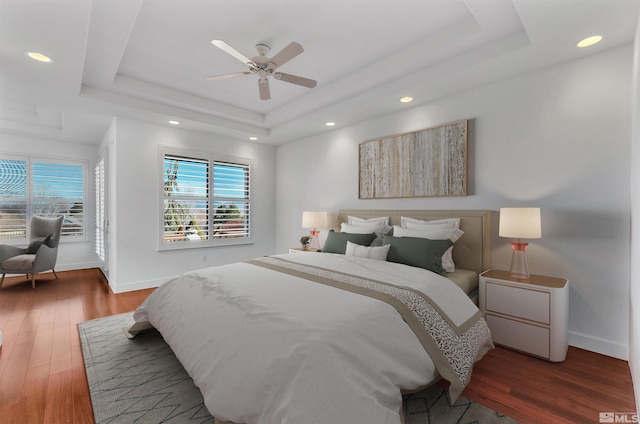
<point x="174" y="122"/>
<point x="406" y="99"/>
<point x="330" y="124"/>
<point x="589" y="41"/>
<point x="253" y="138"/>
<point x="39" y="57"/>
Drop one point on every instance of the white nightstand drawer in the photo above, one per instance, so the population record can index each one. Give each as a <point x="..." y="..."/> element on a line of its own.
<point x="523" y="303"/>
<point x="519" y="335"/>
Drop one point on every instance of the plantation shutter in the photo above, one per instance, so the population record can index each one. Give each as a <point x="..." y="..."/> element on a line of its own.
<point x="186" y="198"/>
<point x="100" y="210"/>
<point x="231" y="200"/>
<point x="58" y="189"/>
<point x="13" y="199"/>
<point x="35" y="186"/>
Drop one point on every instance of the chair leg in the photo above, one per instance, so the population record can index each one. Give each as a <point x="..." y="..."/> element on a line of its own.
<point x="2" y="280"/>
<point x="54" y="273"/>
<point x="33" y="281"/>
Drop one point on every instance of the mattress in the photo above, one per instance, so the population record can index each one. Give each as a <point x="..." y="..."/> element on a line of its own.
<point x="467" y="281"/>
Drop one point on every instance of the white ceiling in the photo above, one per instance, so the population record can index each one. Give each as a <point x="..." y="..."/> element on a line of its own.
<point x="149" y="59"/>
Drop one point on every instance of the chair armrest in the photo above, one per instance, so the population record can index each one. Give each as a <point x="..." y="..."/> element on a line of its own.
<point x="7" y="252"/>
<point x="45" y="258"/>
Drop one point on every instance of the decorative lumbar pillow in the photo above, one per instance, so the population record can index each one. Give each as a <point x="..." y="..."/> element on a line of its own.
<point x="35" y="244"/>
<point x="374" y="252"/>
<point x="367" y="228"/>
<point x="337" y="242"/>
<point x="418" y="252"/>
<point x="434" y="233"/>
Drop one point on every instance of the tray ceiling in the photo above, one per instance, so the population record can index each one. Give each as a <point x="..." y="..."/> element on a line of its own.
<point x="150" y="59"/>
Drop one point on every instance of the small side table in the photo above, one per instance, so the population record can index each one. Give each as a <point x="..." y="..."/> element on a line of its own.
<point x="301" y="250"/>
<point x="530" y="315"/>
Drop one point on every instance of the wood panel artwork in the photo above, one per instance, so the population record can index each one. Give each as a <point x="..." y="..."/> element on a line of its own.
<point x="426" y="163"/>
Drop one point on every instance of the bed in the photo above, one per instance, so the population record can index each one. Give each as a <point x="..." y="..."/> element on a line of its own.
<point x="324" y="337"/>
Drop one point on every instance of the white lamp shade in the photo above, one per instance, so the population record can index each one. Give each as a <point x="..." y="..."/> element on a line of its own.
<point x="520" y="223"/>
<point x="315" y="219"/>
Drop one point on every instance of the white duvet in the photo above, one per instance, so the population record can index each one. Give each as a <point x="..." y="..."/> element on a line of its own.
<point x="270" y="348"/>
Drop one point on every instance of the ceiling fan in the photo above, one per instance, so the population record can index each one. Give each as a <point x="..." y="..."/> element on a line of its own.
<point x="264" y="66"/>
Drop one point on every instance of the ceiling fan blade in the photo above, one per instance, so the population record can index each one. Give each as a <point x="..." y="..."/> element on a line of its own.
<point x="285" y="55"/>
<point x="294" y="79"/>
<point x="233" y="52"/>
<point x="229" y="76"/>
<point x="263" y="86"/>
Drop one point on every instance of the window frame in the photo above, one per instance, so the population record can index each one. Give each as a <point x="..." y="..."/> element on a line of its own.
<point x="31" y="196"/>
<point x="211" y="158"/>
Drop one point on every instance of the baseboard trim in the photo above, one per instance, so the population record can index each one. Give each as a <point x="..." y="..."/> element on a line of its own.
<point x="599" y="345"/>
<point x="77" y="265"/>
<point x="137" y="285"/>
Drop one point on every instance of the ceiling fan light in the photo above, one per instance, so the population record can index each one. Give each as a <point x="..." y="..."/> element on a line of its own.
<point x="330" y="124"/>
<point x="173" y="122"/>
<point x="406" y="99"/>
<point x="253" y="138"/>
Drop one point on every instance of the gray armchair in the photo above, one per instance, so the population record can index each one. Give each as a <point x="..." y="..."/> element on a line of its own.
<point x="40" y="255"/>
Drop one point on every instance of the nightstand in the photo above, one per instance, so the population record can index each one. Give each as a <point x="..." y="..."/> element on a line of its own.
<point x="531" y="315"/>
<point x="301" y="250"/>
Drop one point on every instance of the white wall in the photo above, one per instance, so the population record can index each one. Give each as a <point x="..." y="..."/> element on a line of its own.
<point x="71" y="255"/>
<point x="634" y="342"/>
<point x="558" y="138"/>
<point x="135" y="168"/>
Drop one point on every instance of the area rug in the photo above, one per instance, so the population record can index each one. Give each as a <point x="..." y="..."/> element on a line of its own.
<point x="141" y="381"/>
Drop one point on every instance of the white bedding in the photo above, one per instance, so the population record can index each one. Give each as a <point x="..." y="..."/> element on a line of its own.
<point x="266" y="347"/>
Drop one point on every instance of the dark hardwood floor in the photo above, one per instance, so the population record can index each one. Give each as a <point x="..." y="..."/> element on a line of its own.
<point x="42" y="377"/>
<point x="531" y="390"/>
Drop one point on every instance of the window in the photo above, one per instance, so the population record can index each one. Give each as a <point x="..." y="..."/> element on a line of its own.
<point x="205" y="201"/>
<point x="36" y="186"/>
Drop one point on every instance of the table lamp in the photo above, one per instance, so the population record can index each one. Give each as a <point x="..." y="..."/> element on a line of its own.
<point x="520" y="223"/>
<point x="315" y="220"/>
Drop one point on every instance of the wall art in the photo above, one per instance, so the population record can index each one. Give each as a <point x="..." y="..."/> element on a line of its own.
<point x="425" y="163"/>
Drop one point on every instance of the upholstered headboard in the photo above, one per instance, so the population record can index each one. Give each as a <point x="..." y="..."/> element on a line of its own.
<point x="472" y="251"/>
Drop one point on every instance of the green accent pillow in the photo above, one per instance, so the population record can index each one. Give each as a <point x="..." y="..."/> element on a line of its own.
<point x="419" y="252"/>
<point x="337" y="242"/>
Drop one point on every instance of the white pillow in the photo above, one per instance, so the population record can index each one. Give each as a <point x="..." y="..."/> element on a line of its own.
<point x="435" y="233"/>
<point x="428" y="227"/>
<point x="413" y="222"/>
<point x="374" y="252"/>
<point x="361" y="228"/>
<point x="452" y="234"/>
<point x="354" y="220"/>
